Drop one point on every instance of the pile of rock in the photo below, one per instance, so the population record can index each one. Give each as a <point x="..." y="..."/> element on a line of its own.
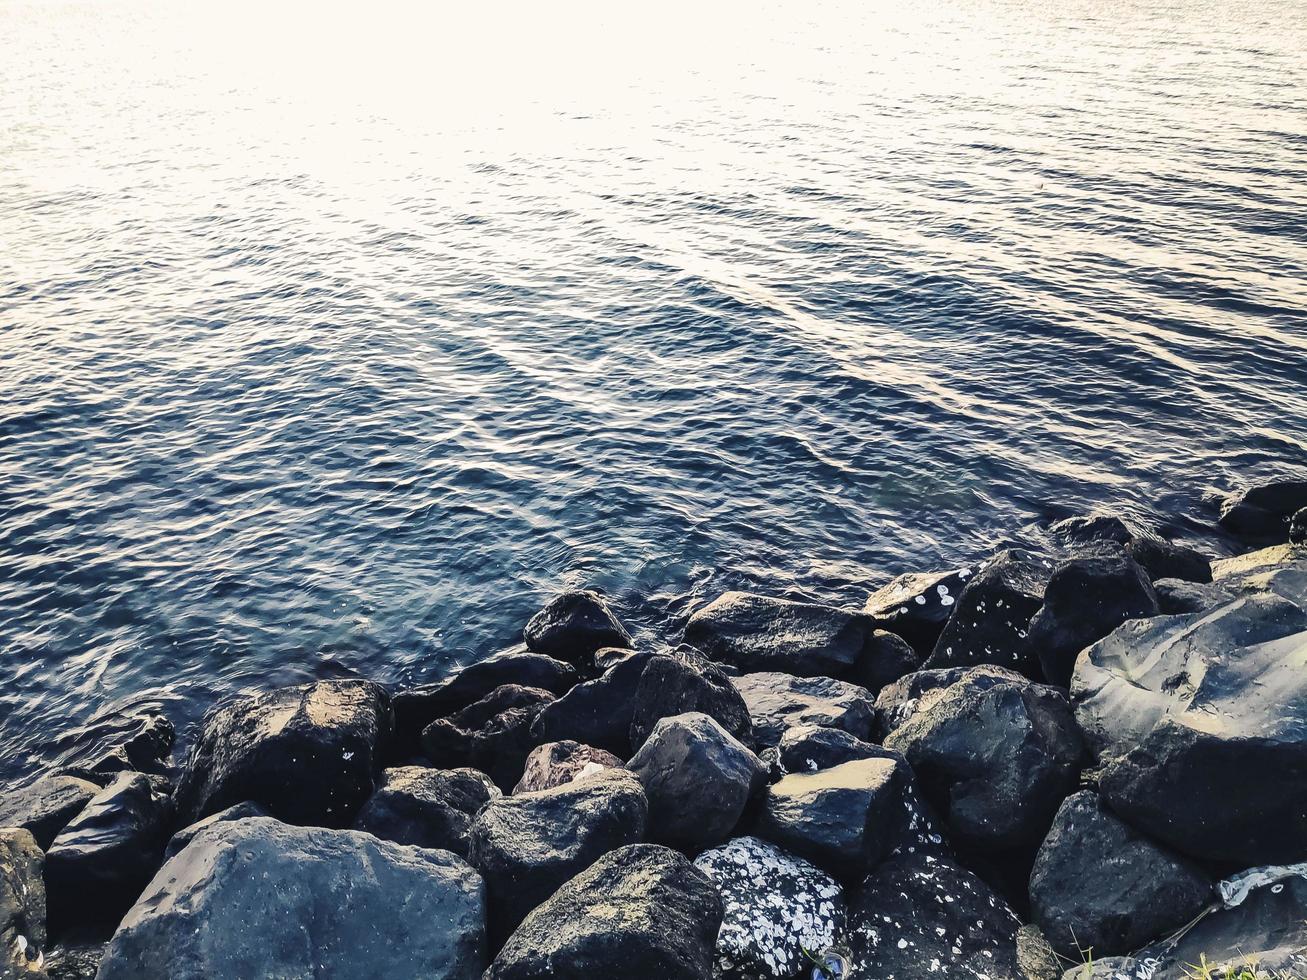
<point x="998" y="771"/>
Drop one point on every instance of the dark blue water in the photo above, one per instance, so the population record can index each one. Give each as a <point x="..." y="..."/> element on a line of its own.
<point x="337" y="337"/>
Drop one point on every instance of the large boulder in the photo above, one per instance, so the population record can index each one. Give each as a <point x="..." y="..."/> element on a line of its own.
<point x="1099" y="885"/>
<point x="1200" y="726"/>
<point x="417" y="707"/>
<point x="308" y="753"/>
<point x="573" y="625"/>
<point x="493" y="735"/>
<point x="684" y="681"/>
<point x="22" y="905"/>
<point x="917" y="605"/>
<point x="598" y="712"/>
<point x="898" y="702"/>
<point x="642" y="912"/>
<point x="884" y="659"/>
<point x="1086" y="599"/>
<point x="698" y="779"/>
<point x="45" y="806"/>
<point x="779" y="701"/>
<point x="756" y="633"/>
<point x="430" y="808"/>
<point x="260" y="898"/>
<point x="241" y="811"/>
<point x="992" y="614"/>
<point x="556" y="763"/>
<point x="98" y="864"/>
<point x="1263" y="512"/>
<point x="526" y="846"/>
<point x="995" y="754"/>
<point x="919" y="914"/>
<point x="776" y="906"/>
<point x="842" y="819"/>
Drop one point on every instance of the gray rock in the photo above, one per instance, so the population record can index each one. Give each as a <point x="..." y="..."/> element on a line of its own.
<point x="240" y="811"/>
<point x="685" y="680"/>
<point x="995" y="755"/>
<point x="756" y="633"/>
<point x="45" y="806"/>
<point x="22" y="905"/>
<point x="842" y="819"/>
<point x="493" y="735"/>
<point x="1036" y="958"/>
<point x="698" y="779"/>
<point x="1200" y="726"/>
<point x="557" y="763"/>
<point x="431" y="808"/>
<point x="74" y="960"/>
<point x="526" y="846"/>
<point x="918" y="915"/>
<point x="573" y="625"/>
<point x="779" y="701"/>
<point x="884" y="659"/>
<point x="1176" y="596"/>
<point x="260" y="898"/>
<point x="308" y="753"/>
<point x="598" y="712"/>
<point x="776" y="906"/>
<point x="1100" y="886"/>
<point x="640" y="913"/>
<point x="899" y="701"/>
<point x="917" y="605"/>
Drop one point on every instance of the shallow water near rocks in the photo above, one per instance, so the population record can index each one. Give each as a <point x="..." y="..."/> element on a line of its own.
<point x="335" y="337"/>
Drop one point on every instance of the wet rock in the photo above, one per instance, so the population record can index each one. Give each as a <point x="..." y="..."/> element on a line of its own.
<point x="597" y="712"/>
<point x="917" y="605"/>
<point x="1092" y="529"/>
<point x="776" y="905"/>
<point x="992" y="615"/>
<point x="1298" y="527"/>
<point x="756" y="633"/>
<point x="427" y="807"/>
<point x="996" y="755"/>
<point x="1099" y="885"/>
<point x="22" y="905"/>
<point x="698" y="779"/>
<point x="917" y="915"/>
<point x="1263" y="512"/>
<point x="45" y="806"/>
<point x="1200" y="725"/>
<point x="1166" y="559"/>
<point x="240" y="811"/>
<point x="1086" y="599"/>
<point x="685" y="680"/>
<point x="884" y="659"/>
<point x="135" y="740"/>
<point x="1036" y="958"/>
<point x="493" y="735"/>
<point x="641" y="913"/>
<point x="573" y="625"/>
<point x="1175" y="596"/>
<point x="898" y="702"/>
<point x="557" y="763"/>
<point x="526" y="846"/>
<point x="610" y="657"/>
<point x="418" y="707"/>
<point x="260" y="898"/>
<point x="74" y="960"/>
<point x="779" y="701"/>
<point x="842" y="819"/>
<point x="98" y="864"/>
<point x="308" y="753"/>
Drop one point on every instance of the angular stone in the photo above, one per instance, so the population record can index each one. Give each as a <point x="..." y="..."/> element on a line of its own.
<point x="240" y="811"/>
<point x="260" y="898"/>
<point x="558" y="763"/>
<point x="308" y="753"/>
<point x="573" y="625"/>
<point x="756" y="633"/>
<point x="527" y="846"/>
<point x="598" y="712"/>
<point x="683" y="681"/>
<point x="22" y="905"/>
<point x="1176" y="596"/>
<point x="642" y="912"/>
<point x="431" y="808"/>
<point x="698" y="779"/>
<point x="493" y="735"/>
<point x="45" y="806"/>
<point x="779" y="701"/>
<point x="776" y="906"/>
<point x="917" y="605"/>
<point x="885" y="658"/>
<point x="1166" y="559"/>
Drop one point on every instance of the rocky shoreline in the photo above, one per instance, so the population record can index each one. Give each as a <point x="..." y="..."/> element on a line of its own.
<point x="1082" y="764"/>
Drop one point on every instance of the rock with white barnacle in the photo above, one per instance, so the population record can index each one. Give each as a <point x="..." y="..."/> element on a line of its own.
<point x="917" y="605"/>
<point x="776" y="906"/>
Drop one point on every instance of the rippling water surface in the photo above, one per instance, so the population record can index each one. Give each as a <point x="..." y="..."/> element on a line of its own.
<point x="337" y="336"/>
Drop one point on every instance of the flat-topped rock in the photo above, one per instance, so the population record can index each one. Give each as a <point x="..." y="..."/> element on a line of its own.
<point x="779" y="701"/>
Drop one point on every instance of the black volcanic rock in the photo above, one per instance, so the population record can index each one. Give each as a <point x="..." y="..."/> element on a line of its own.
<point x="1262" y="512"/>
<point x="1100" y="885"/>
<point x="642" y="912"/>
<point x="45" y="806"/>
<point x="779" y="701"/>
<point x="431" y="808"/>
<point x="1086" y="599"/>
<point x="526" y="846"/>
<point x="757" y="633"/>
<point x="557" y="763"/>
<point x="685" y="680"/>
<point x="493" y="735"/>
<point x="308" y="753"/>
<point x="917" y="605"/>
<point x="598" y="712"/>
<point x="572" y="626"/>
